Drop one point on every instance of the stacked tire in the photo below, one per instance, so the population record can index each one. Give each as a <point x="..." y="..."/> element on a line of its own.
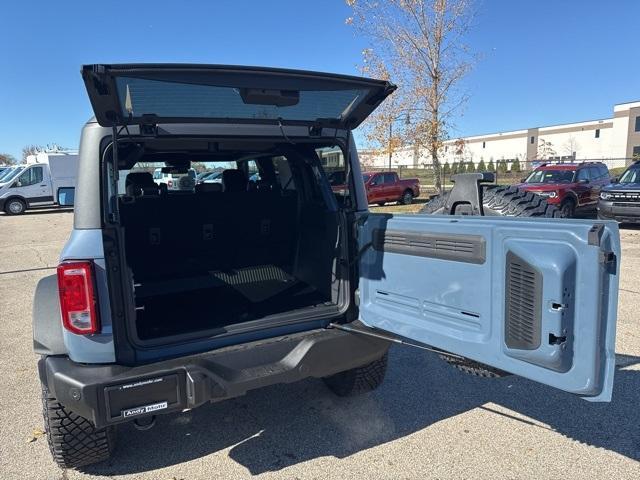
<point x="500" y="200"/>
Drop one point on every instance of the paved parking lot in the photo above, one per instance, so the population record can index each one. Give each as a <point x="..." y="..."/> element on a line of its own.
<point x="426" y="421"/>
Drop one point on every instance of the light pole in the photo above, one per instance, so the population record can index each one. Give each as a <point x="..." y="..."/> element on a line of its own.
<point x="407" y="121"/>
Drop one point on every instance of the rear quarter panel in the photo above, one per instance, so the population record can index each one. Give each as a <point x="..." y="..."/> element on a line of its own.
<point x="99" y="348"/>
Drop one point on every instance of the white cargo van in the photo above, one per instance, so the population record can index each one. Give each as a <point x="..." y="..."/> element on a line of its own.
<point x="48" y="178"/>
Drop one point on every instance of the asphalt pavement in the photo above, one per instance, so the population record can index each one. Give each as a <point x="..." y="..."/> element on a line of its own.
<point x="426" y="421"/>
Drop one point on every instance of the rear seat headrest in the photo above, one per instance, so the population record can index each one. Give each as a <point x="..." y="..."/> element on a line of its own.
<point x="139" y="183"/>
<point x="208" y="187"/>
<point x="234" y="181"/>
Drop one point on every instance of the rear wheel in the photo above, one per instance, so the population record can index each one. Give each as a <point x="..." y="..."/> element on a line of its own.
<point x="358" y="380"/>
<point x="499" y="201"/>
<point x="407" y="198"/>
<point x="381" y="204"/>
<point x="73" y="440"/>
<point x="15" y="206"/>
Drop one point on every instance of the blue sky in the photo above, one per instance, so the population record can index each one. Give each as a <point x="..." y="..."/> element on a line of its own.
<point x="544" y="61"/>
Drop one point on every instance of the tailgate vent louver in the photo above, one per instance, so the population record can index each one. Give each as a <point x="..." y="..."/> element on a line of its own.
<point x="523" y="308"/>
<point x="455" y="247"/>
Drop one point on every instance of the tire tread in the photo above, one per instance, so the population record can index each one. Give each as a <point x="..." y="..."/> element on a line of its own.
<point x="73" y="440"/>
<point x="503" y="200"/>
<point x="359" y="380"/>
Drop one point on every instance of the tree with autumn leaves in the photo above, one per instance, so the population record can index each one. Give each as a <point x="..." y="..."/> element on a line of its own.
<point x="419" y="45"/>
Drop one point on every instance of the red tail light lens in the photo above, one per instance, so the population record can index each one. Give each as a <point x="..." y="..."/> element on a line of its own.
<point x="169" y="184"/>
<point x="77" y="297"/>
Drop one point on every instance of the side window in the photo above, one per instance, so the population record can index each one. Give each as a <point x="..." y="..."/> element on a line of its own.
<point x="389" y="178"/>
<point x="583" y="174"/>
<point x="335" y="168"/>
<point x="32" y="176"/>
<point x="377" y="180"/>
<point x="253" y="173"/>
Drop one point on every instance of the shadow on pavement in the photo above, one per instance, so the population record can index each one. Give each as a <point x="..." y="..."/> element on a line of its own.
<point x="283" y="425"/>
<point x="40" y="211"/>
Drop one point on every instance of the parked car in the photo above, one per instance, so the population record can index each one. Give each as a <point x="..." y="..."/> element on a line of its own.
<point x="172" y="179"/>
<point x="303" y="285"/>
<point x="48" y="179"/>
<point x="573" y="187"/>
<point x="383" y="187"/>
<point x="621" y="199"/>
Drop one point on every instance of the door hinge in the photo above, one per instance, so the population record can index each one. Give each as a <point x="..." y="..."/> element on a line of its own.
<point x="608" y="261"/>
<point x="594" y="236"/>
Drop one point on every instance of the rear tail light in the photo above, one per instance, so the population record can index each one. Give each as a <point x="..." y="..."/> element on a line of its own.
<point x="78" y="302"/>
<point x="170" y="183"/>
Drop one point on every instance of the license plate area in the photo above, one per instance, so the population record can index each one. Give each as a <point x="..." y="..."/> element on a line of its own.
<point x="146" y="396"/>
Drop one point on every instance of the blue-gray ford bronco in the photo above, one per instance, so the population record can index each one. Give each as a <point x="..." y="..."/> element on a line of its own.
<point x="169" y="298"/>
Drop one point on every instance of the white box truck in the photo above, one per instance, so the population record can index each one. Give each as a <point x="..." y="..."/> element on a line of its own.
<point x="47" y="179"/>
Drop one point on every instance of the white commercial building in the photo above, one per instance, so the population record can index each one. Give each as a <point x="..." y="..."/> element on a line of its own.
<point x="615" y="140"/>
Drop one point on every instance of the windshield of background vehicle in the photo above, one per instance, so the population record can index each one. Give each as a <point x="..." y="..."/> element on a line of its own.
<point x="10" y="174"/>
<point x="631" y="176"/>
<point x="551" y="176"/>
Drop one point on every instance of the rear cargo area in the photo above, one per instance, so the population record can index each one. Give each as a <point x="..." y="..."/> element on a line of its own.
<point x="208" y="259"/>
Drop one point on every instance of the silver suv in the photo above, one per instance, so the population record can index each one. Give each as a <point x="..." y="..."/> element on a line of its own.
<point x="168" y="299"/>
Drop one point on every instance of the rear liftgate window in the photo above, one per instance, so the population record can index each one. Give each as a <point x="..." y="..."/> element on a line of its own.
<point x="167" y="99"/>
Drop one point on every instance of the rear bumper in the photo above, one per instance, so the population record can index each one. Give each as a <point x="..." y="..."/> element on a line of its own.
<point x="110" y="394"/>
<point x="623" y="214"/>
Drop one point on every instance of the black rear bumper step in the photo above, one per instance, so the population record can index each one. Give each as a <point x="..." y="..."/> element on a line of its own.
<point x="110" y="394"/>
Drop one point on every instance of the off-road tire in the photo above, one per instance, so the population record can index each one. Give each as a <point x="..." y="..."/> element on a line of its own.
<point x="73" y="440"/>
<point x="473" y="368"/>
<point x="500" y="200"/>
<point x="358" y="380"/>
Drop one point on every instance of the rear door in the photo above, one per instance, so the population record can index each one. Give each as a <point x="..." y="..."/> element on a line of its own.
<point x="584" y="187"/>
<point x="533" y="297"/>
<point x="391" y="187"/>
<point x="180" y="93"/>
<point x="375" y="192"/>
<point x="599" y="178"/>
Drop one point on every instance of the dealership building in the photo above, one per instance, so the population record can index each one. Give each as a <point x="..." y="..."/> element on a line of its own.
<point x="615" y="140"/>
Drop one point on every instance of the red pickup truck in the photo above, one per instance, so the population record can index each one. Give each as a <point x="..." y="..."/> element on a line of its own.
<point x="383" y="187"/>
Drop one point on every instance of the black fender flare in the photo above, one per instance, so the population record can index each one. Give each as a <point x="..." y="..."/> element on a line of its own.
<point x="46" y="318"/>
